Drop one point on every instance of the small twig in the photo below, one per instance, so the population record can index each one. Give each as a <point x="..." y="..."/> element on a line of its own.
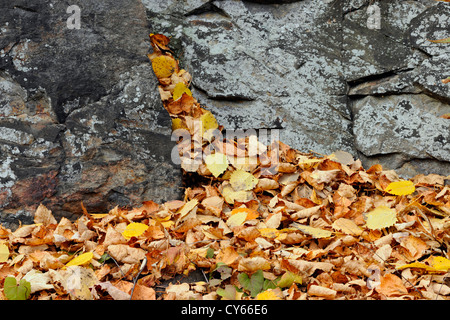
<point x="204" y="276"/>
<point x="118" y="266"/>
<point x="135" y="279"/>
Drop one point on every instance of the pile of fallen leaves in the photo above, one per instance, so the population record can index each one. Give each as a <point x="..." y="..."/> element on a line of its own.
<point x="263" y="223"/>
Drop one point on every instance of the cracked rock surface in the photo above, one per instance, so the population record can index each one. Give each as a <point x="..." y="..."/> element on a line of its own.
<point x="81" y="117"/>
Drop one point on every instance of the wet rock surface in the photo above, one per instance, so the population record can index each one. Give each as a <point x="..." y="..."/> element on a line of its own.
<point x="81" y="117"/>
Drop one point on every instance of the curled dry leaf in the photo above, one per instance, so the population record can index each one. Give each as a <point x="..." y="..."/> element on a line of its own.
<point x="315" y="232"/>
<point x="250" y="265"/>
<point x="322" y="292"/>
<point x="347" y="226"/>
<point x="44" y="216"/>
<point x="126" y="254"/>
<point x="391" y="286"/>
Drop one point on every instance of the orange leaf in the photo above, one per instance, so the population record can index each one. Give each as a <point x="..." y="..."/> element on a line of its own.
<point x="159" y="41"/>
<point x="251" y="214"/>
<point x="391" y="285"/>
<point x="446" y="40"/>
<point x="184" y="103"/>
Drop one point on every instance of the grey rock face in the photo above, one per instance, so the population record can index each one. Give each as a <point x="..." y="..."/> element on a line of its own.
<point x="406" y="125"/>
<point x="81" y="117"/>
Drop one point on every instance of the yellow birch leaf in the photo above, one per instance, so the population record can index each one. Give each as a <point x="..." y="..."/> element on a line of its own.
<point x="381" y="217"/>
<point x="347" y="226"/>
<point x="437" y="264"/>
<point x="241" y="180"/>
<point x="187" y="207"/>
<point x="230" y="195"/>
<point x="217" y="163"/>
<point x="440" y="264"/>
<point x="164" y="66"/>
<point x="418" y="265"/>
<point x="134" y="229"/>
<point x="237" y="219"/>
<point x="269" y="294"/>
<point x="81" y="259"/>
<point x="4" y="253"/>
<point x="208" y="121"/>
<point x="315" y="232"/>
<point x="400" y="188"/>
<point x="177" y="123"/>
<point x="179" y="89"/>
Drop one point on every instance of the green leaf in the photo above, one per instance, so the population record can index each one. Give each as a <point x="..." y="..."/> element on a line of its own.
<point x="288" y="279"/>
<point x="254" y="284"/>
<point x="269" y="284"/>
<point x="105" y="257"/>
<point x="16" y="292"/>
<point x="244" y="280"/>
<point x="229" y="293"/>
<point x="210" y="253"/>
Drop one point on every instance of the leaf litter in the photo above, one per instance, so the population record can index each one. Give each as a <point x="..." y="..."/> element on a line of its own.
<point x="317" y="227"/>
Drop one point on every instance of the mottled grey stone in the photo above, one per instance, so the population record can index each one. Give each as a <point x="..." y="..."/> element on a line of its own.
<point x="81" y="117"/>
<point x="407" y="126"/>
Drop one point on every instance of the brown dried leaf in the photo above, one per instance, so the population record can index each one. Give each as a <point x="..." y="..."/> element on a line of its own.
<point x="250" y="265"/>
<point x="44" y="216"/>
<point x="126" y="254"/>
<point x="322" y="292"/>
<point x="391" y="286"/>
